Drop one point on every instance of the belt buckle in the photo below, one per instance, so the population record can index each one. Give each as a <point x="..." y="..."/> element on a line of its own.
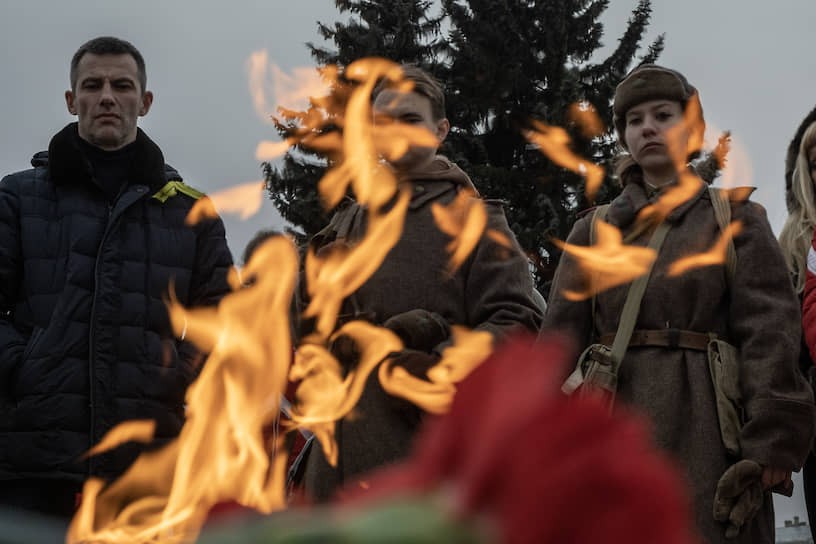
<point x="673" y="337"/>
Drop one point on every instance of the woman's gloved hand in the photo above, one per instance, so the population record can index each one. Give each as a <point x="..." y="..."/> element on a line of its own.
<point x="739" y="495"/>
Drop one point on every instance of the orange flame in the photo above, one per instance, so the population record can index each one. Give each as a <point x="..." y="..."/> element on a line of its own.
<point x="291" y="91"/>
<point x="714" y="256"/>
<point x="500" y="238"/>
<point x="267" y="151"/>
<point x="435" y="396"/>
<point x="686" y="187"/>
<point x="693" y="125"/>
<point x="586" y="116"/>
<point x="392" y="140"/>
<point x="608" y="263"/>
<point x="245" y="200"/>
<point x="464" y="220"/>
<point x="221" y="453"/>
<point x="373" y="186"/>
<point x="323" y="395"/>
<point x="737" y="168"/>
<point x="129" y="431"/>
<point x="554" y="142"/>
<point x="332" y="278"/>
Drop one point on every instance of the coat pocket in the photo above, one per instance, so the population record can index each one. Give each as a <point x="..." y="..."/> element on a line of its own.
<point x="34" y="339"/>
<point x="723" y="362"/>
<point x="23" y="366"/>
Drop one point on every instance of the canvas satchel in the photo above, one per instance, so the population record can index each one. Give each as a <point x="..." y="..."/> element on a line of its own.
<point x="596" y="373"/>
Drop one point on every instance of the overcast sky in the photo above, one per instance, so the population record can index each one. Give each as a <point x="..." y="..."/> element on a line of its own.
<point x="752" y="61"/>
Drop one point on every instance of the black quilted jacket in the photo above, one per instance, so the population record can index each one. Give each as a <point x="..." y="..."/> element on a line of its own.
<point x="85" y="339"/>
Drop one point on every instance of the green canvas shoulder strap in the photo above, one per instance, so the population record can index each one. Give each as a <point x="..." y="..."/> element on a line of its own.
<point x="599" y="215"/>
<point x="722" y="211"/>
<point x="631" y="308"/>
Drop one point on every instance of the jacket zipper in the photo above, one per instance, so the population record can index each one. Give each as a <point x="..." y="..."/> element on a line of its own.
<point x="91" y="344"/>
<point x="91" y="330"/>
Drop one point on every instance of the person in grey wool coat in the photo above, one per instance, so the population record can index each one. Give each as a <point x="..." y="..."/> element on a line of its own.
<point x="413" y="292"/>
<point x="664" y="373"/>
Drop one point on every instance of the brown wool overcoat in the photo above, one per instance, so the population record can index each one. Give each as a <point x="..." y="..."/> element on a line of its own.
<point x="757" y="312"/>
<point x="492" y="291"/>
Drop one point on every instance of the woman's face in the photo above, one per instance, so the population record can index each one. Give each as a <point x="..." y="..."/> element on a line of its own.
<point x="811" y="157"/>
<point x="656" y="135"/>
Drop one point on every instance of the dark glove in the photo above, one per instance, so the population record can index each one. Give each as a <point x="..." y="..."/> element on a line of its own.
<point x="419" y="329"/>
<point x="739" y="496"/>
<point x="417" y="364"/>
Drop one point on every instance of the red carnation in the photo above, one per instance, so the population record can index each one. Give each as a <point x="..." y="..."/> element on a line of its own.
<point x="541" y="466"/>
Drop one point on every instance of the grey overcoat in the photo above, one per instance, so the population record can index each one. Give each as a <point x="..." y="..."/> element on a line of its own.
<point x="758" y="313"/>
<point x="492" y="291"/>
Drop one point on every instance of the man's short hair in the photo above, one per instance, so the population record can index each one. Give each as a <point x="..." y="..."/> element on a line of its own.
<point x="108" y="45"/>
<point x="424" y="84"/>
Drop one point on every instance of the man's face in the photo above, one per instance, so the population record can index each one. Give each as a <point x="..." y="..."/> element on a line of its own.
<point x="108" y="99"/>
<point x="410" y="108"/>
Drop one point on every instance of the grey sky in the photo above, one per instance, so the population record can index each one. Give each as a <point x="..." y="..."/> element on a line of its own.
<point x="752" y="62"/>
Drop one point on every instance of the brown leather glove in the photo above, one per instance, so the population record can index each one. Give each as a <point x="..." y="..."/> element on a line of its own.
<point x="419" y="329"/>
<point x="739" y="496"/>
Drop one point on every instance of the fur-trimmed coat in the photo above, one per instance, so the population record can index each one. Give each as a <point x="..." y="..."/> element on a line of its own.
<point x="758" y="312"/>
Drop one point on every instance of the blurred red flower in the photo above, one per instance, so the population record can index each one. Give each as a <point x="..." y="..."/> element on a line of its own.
<point x="542" y="467"/>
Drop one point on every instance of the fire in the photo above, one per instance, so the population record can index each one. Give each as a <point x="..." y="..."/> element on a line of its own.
<point x="737" y="169"/>
<point x="267" y="151"/>
<point x="693" y="125"/>
<point x="464" y="220"/>
<point x="221" y="453"/>
<point x="470" y="349"/>
<point x="289" y="91"/>
<point x="609" y="262"/>
<point x="499" y="238"/>
<point x="373" y="184"/>
<point x="686" y="187"/>
<point x="245" y="200"/>
<point x="714" y="256"/>
<point x="130" y="431"/>
<point x="554" y="142"/>
<point x="323" y="395"/>
<point x="586" y="117"/>
<point x="332" y="278"/>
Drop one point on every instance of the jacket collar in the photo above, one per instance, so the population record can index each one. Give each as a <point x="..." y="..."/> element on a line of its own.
<point x="439" y="169"/>
<point x="635" y="197"/>
<point x="67" y="164"/>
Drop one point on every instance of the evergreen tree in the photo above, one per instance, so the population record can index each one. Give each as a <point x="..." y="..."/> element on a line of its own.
<point x="515" y="62"/>
<point x="504" y="65"/>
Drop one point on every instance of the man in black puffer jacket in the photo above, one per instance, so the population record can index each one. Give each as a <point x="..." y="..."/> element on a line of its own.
<point x="93" y="238"/>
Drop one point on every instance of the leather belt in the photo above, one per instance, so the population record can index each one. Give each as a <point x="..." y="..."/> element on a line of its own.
<point x="666" y="338"/>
